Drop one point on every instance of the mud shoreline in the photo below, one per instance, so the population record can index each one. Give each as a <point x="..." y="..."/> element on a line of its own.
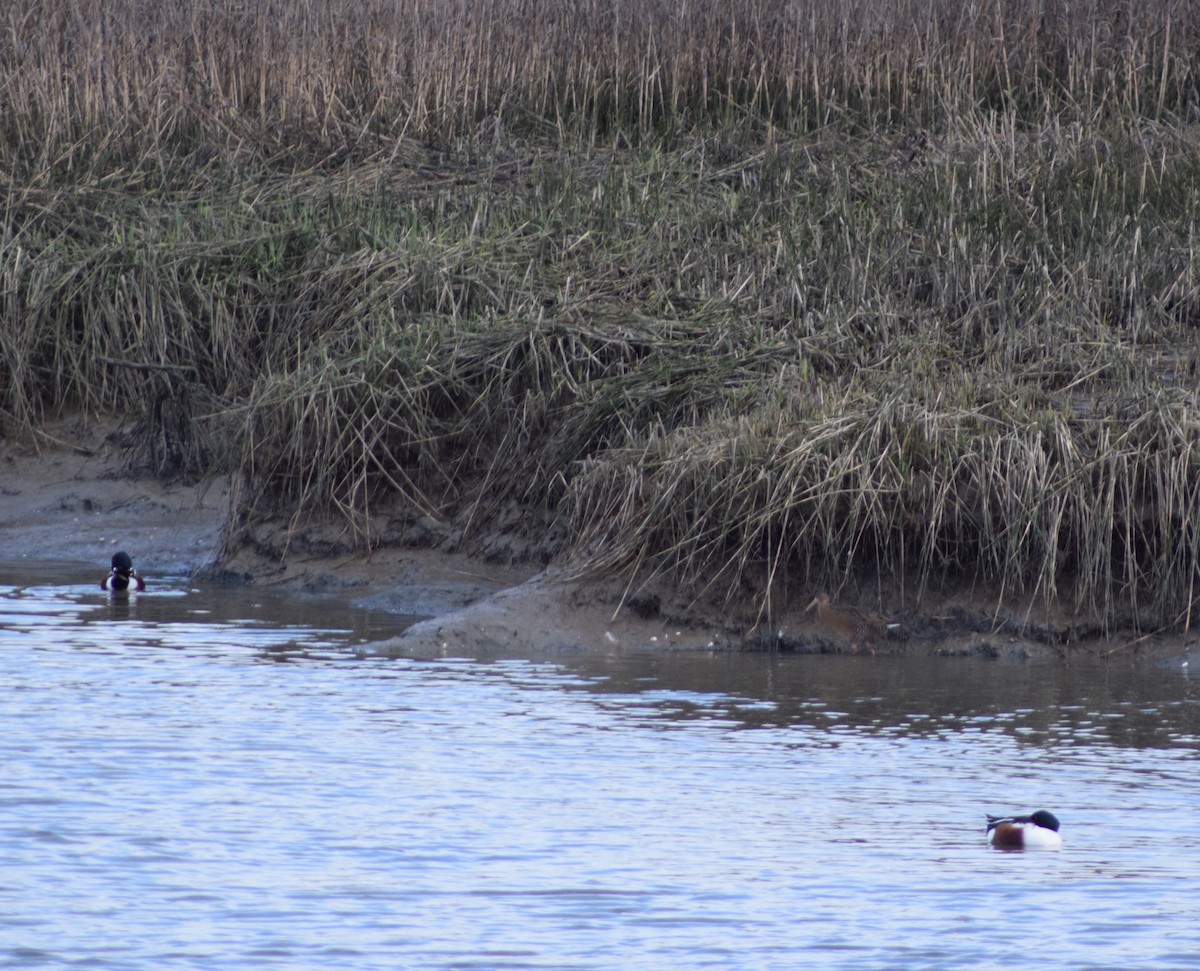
<point x="69" y="496"/>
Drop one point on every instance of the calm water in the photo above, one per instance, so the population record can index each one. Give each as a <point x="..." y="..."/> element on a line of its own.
<point x="215" y="779"/>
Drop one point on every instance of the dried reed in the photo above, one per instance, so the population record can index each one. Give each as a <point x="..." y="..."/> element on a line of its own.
<point x="725" y="289"/>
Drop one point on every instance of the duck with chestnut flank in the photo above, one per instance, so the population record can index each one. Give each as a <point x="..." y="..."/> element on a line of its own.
<point x="1037" y="831"/>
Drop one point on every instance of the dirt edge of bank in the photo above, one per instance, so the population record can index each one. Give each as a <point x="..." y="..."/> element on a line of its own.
<point x="68" y="495"/>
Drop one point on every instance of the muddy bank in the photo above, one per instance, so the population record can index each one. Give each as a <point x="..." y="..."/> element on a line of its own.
<point x="68" y="495"/>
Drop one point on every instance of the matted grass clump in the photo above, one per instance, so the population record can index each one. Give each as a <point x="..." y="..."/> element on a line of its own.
<point x="724" y="291"/>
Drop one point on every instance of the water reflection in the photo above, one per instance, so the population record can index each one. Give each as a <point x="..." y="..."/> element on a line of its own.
<point x="1040" y="704"/>
<point x="175" y="799"/>
<point x="58" y="602"/>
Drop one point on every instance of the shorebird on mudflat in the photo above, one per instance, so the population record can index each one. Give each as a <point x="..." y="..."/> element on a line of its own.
<point x="861" y="629"/>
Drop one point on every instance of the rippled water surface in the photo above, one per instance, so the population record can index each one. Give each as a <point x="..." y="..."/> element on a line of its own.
<point x="215" y="779"/>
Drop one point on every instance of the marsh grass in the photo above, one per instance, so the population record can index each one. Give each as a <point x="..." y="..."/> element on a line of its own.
<point x="724" y="291"/>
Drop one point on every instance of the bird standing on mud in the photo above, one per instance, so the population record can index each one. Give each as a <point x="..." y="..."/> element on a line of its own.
<point x="859" y="628"/>
<point x="122" y="578"/>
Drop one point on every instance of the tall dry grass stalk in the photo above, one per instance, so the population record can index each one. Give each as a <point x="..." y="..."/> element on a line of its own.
<point x="328" y="74"/>
<point x="724" y="290"/>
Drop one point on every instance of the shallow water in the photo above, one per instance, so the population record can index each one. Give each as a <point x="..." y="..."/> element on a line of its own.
<point x="222" y="779"/>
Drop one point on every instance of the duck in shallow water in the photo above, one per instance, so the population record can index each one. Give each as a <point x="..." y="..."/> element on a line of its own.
<point x="1037" y="831"/>
<point x="122" y="578"/>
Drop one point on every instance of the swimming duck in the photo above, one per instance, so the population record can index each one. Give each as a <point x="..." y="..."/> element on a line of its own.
<point x="1038" y="831"/>
<point x="122" y="578"/>
<point x="861" y="629"/>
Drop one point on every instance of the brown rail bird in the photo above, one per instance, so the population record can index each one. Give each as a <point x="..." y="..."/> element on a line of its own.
<point x="861" y="629"/>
